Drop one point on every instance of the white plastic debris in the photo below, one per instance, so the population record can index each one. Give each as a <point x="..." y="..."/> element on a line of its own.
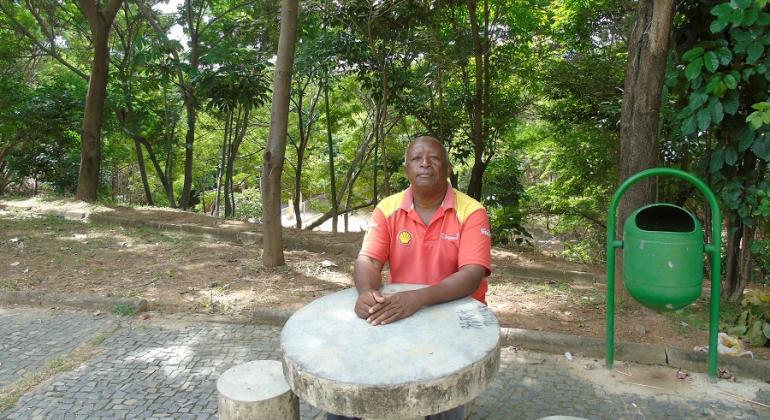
<point x="568" y="355"/>
<point x="327" y="264"/>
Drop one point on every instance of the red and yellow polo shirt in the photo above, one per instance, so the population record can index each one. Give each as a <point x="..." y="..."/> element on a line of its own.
<point x="458" y="235"/>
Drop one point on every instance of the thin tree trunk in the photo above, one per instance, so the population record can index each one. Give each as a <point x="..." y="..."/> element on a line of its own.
<point x="640" y="114"/>
<point x="330" y="144"/>
<point x="732" y="260"/>
<point x="221" y="168"/>
<point x="235" y="145"/>
<point x="272" y="239"/>
<point x="143" y="173"/>
<point x="190" y="106"/>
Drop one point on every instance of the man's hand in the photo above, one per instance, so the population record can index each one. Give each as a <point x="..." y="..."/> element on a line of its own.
<point x="366" y="301"/>
<point x="394" y="307"/>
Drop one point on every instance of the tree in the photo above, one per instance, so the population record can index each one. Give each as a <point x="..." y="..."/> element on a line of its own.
<point x="639" y="123"/>
<point x="100" y="18"/>
<point x="723" y="79"/>
<point x="272" y="168"/>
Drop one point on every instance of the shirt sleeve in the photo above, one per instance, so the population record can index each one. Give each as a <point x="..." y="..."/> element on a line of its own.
<point x="377" y="239"/>
<point x="476" y="241"/>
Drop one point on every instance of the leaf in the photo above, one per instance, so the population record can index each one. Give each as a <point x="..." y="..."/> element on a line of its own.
<point x="722" y="9"/>
<point x="716" y="111"/>
<point x="692" y="54"/>
<point x="704" y="119"/>
<point x="763" y="19"/>
<point x="754" y="51"/>
<point x="731" y="156"/>
<point x="743" y="4"/>
<point x="745" y="138"/>
<point x="737" y="330"/>
<point x="710" y="61"/>
<point x="730" y="102"/>
<point x="766" y="329"/>
<point x="756" y="335"/>
<point x="693" y="69"/>
<point x="713" y="83"/>
<point x="689" y="125"/>
<point x="697" y="99"/>
<point x="730" y="81"/>
<point x="749" y="17"/>
<point x="718" y="25"/>
<point x="761" y="149"/>
<point x="725" y="56"/>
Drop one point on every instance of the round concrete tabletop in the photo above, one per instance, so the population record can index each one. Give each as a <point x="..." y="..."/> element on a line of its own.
<point x="439" y="358"/>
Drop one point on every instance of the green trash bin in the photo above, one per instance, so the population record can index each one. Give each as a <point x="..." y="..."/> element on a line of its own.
<point x="663" y="256"/>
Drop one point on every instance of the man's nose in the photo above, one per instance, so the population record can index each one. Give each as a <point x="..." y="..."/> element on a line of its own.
<point x="425" y="161"/>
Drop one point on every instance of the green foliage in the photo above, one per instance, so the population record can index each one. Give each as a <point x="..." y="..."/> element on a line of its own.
<point x="502" y="194"/>
<point x="760" y="251"/>
<point x="753" y="321"/>
<point x="124" y="309"/>
<point x="248" y="204"/>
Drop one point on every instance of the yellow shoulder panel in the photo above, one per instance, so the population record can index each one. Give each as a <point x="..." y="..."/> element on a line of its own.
<point x="390" y="204"/>
<point x="465" y="205"/>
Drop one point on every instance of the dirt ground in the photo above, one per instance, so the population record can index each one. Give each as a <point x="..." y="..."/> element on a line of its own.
<point x="183" y="272"/>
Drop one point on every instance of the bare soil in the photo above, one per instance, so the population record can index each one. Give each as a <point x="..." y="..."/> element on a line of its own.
<point x="195" y="273"/>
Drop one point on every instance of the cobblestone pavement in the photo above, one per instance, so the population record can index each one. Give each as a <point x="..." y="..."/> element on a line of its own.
<point x="29" y="338"/>
<point x="168" y="369"/>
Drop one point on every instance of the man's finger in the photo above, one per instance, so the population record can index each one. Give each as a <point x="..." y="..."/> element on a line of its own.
<point x="377" y="296"/>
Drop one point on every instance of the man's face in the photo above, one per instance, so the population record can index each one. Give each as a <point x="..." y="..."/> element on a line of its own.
<point x="426" y="167"/>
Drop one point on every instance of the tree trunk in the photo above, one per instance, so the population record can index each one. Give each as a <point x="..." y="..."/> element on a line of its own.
<point x="732" y="258"/>
<point x="272" y="239"/>
<point x="477" y="172"/>
<point x="190" y="106"/>
<point x="330" y="144"/>
<point x="99" y="22"/>
<point x="645" y="72"/>
<point x="143" y="172"/>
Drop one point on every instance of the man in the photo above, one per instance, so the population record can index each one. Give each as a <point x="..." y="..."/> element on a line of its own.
<point x="430" y="234"/>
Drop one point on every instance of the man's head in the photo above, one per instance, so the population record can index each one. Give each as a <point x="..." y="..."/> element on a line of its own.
<point x="427" y="165"/>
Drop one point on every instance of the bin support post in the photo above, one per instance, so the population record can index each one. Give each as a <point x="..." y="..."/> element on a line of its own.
<point x="715" y="249"/>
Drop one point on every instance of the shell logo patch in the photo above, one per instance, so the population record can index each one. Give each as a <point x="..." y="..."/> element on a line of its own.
<point x="404" y="237"/>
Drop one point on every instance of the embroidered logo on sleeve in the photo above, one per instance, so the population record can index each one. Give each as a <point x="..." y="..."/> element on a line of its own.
<point x="486" y="232"/>
<point x="404" y="237"/>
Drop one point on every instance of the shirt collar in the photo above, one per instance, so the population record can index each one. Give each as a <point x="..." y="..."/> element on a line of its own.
<point x="407" y="203"/>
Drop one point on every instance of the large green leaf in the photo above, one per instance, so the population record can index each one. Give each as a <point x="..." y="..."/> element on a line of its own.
<point x="761" y="149"/>
<point x="725" y="56"/>
<point x="749" y="17"/>
<point x="766" y="329"/>
<point x="704" y="119"/>
<point x="716" y="110"/>
<point x="754" y="51"/>
<point x="693" y="69"/>
<point x="730" y="81"/>
<point x="692" y="54"/>
<point x="743" y="4"/>
<point x="710" y="61"/>
<point x="745" y="139"/>
<point x="689" y="125"/>
<point x="731" y="156"/>
<point x="722" y="9"/>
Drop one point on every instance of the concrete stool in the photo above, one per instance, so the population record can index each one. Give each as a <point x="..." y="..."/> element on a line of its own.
<point x="256" y="390"/>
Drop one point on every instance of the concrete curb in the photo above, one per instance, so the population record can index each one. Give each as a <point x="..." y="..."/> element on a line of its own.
<point x="80" y="301"/>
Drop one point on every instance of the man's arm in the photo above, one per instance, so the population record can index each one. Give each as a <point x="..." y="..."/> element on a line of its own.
<point x="368" y="279"/>
<point x="404" y="304"/>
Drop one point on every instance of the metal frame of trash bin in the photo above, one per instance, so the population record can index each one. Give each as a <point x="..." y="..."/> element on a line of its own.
<point x="714" y="249"/>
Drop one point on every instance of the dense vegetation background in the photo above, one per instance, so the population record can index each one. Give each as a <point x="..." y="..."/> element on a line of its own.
<point x="528" y="96"/>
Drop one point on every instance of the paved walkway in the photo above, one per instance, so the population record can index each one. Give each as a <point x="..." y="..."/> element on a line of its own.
<point x="167" y="368"/>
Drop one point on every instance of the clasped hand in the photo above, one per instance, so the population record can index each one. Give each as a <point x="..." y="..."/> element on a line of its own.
<point x="379" y="309"/>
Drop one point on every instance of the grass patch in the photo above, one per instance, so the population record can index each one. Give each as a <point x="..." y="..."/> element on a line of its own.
<point x="123" y="309"/>
<point x="10" y="285"/>
<point x="54" y="366"/>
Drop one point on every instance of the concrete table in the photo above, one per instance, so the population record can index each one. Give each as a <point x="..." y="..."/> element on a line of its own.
<point x="439" y="358"/>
